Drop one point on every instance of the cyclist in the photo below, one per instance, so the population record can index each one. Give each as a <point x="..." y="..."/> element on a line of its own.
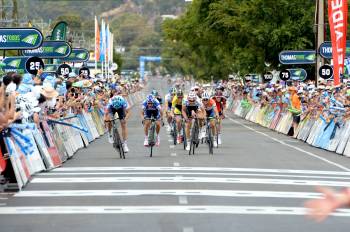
<point x="220" y="102"/>
<point x="117" y="104"/>
<point x="212" y="114"/>
<point x="191" y="108"/>
<point x="168" y="105"/>
<point x="151" y="108"/>
<point x="177" y="112"/>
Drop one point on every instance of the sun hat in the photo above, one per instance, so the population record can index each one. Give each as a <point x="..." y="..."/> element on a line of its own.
<point x="49" y="92"/>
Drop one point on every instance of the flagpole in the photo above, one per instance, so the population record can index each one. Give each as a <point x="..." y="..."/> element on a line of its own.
<point x="95" y="44"/>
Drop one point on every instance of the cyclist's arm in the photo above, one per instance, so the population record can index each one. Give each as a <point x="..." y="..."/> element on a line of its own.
<point x="184" y="113"/>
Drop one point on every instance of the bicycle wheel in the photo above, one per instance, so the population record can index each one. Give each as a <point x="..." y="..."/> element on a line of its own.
<point x="184" y="135"/>
<point x="175" y="132"/>
<point x="210" y="141"/>
<point x="117" y="143"/>
<point x="217" y="133"/>
<point x="151" y="135"/>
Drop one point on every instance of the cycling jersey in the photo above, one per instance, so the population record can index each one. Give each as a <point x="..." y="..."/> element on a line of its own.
<point x="191" y="106"/>
<point x="220" y="105"/>
<point x="160" y="100"/>
<point x="169" y="100"/>
<point x="177" y="105"/>
<point x="210" y="108"/>
<point x="153" y="110"/>
<point x="121" y="110"/>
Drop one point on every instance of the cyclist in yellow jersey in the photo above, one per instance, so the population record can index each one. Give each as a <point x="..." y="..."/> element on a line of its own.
<point x="177" y="112"/>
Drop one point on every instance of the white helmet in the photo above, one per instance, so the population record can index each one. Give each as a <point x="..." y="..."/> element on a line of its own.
<point x="205" y="95"/>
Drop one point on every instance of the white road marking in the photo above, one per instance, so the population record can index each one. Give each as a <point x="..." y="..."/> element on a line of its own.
<point x="170" y="140"/>
<point x="188" y="229"/>
<point x="204" y="169"/>
<point x="299" y="182"/>
<point x="173" y="154"/>
<point x="176" y="164"/>
<point x="168" y="192"/>
<point x="172" y="146"/>
<point x="291" y="146"/>
<point x="183" y="200"/>
<point x="188" y="173"/>
<point x="3" y="198"/>
<point x="169" y="209"/>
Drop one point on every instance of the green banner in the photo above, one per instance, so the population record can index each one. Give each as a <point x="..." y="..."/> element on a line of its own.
<point x="60" y="31"/>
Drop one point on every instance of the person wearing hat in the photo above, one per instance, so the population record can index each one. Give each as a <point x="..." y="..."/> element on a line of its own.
<point x="296" y="106"/>
<point x="27" y="84"/>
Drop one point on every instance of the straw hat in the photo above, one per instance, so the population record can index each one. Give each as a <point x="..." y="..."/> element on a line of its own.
<point x="49" y="92"/>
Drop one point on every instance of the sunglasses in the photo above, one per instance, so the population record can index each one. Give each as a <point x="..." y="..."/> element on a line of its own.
<point x="205" y="99"/>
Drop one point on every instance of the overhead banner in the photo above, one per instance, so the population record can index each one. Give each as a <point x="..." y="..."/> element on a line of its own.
<point x="14" y="64"/>
<point x="50" y="50"/>
<point x="337" y="16"/>
<point x="326" y="50"/>
<point x="60" y="31"/>
<point x="20" y="38"/>
<point x="77" y="55"/>
<point x="298" y="57"/>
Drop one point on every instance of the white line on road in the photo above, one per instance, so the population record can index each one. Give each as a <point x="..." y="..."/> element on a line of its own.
<point x="300" y="182"/>
<point x="172" y="146"/>
<point x="176" y="164"/>
<point x="291" y="146"/>
<point x="188" y="229"/>
<point x="173" y="154"/>
<point x="183" y="200"/>
<point x="168" y="192"/>
<point x="169" y="209"/>
<point x="170" y="140"/>
<point x="188" y="173"/>
<point x="204" y="169"/>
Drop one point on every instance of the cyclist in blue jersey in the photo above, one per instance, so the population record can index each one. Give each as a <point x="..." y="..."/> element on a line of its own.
<point x="117" y="104"/>
<point x="151" y="109"/>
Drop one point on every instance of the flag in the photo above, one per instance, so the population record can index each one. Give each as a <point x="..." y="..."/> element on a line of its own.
<point x="338" y="15"/>
<point x="97" y="41"/>
<point x="60" y="31"/>
<point x="107" y="43"/>
<point x="102" y="41"/>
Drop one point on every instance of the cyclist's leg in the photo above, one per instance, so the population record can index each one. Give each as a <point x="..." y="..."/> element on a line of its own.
<point x="178" y="122"/>
<point x="188" y="129"/>
<point x="121" y="115"/>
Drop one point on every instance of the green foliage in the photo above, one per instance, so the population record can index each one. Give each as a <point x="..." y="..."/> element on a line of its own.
<point x="218" y="37"/>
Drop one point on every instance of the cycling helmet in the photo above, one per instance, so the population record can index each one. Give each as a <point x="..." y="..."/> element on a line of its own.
<point x="155" y="93"/>
<point x="179" y="93"/>
<point x="205" y="95"/>
<point x="192" y="96"/>
<point x="172" y="90"/>
<point x="150" y="98"/>
<point x="117" y="102"/>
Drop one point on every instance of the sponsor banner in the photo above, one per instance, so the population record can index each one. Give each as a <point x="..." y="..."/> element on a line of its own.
<point x="297" y="57"/>
<point x="50" y="50"/>
<point x="60" y="31"/>
<point x="14" y="64"/>
<point x="77" y="55"/>
<point x="326" y="50"/>
<point x="338" y="15"/>
<point x="20" y="38"/>
<point x="298" y="74"/>
<point x="51" y="67"/>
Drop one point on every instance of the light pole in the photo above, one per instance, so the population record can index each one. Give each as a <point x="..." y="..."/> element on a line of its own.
<point x="320" y="29"/>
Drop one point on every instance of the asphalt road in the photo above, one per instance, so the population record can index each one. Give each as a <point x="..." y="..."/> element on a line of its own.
<point x="257" y="180"/>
